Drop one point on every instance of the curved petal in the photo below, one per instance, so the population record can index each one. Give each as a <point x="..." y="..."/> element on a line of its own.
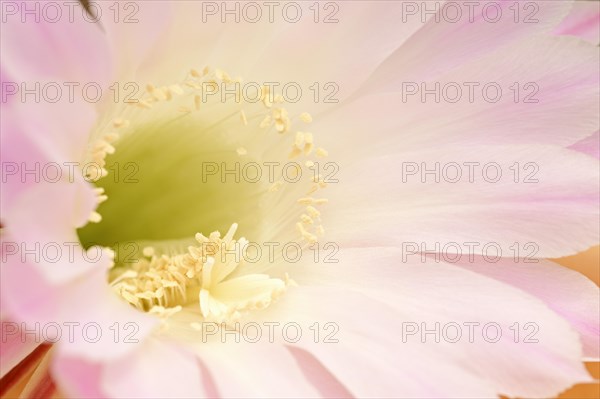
<point x="568" y="293"/>
<point x="590" y="145"/>
<point x="445" y="43"/>
<point x="157" y="369"/>
<point x="59" y="70"/>
<point x="489" y="200"/>
<point x="132" y="31"/>
<point x="44" y="140"/>
<point x="60" y="130"/>
<point x="18" y="153"/>
<point x="340" y="48"/>
<point x="43" y="223"/>
<point x="319" y="375"/>
<point x="66" y="50"/>
<point x="345" y="52"/>
<point x="255" y="370"/>
<point x="92" y="322"/>
<point x="383" y="306"/>
<point x="84" y="379"/>
<point x="76" y="377"/>
<point x="543" y="90"/>
<point x="583" y="21"/>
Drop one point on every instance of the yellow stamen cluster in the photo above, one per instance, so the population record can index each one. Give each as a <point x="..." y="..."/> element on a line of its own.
<point x="163" y="280"/>
<point x="163" y="284"/>
<point x="95" y="217"/>
<point x="95" y="162"/>
<point x="100" y="148"/>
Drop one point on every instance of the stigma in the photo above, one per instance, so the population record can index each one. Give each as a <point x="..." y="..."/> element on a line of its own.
<point x="164" y="284"/>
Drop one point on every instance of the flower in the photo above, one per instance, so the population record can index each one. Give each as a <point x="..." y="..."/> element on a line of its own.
<point x="364" y="325"/>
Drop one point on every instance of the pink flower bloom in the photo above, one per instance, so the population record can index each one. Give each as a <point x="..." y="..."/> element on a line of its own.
<point x="436" y="283"/>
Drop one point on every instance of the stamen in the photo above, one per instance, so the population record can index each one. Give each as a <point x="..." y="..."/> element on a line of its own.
<point x="164" y="284"/>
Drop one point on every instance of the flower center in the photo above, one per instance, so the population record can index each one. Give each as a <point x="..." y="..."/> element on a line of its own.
<point x="190" y="161"/>
<point x="165" y="284"/>
<point x="166" y="182"/>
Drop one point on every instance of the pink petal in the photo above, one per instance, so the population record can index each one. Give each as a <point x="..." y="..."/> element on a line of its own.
<point x="36" y="304"/>
<point x="157" y="369"/>
<point x="557" y="99"/>
<point x="78" y="378"/>
<point x="318" y="375"/>
<point x="83" y="317"/>
<point x="255" y="370"/>
<point x="568" y="293"/>
<point x="123" y="328"/>
<point x="443" y="44"/>
<point x="549" y="94"/>
<point x="43" y="51"/>
<point x="547" y="210"/>
<point x="18" y="153"/>
<point x="583" y="21"/>
<point x="589" y="145"/>
<point x="371" y="292"/>
<point x="61" y="130"/>
<point x="43" y="222"/>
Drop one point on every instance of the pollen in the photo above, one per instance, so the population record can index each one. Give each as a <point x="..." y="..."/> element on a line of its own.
<point x="306" y="117"/>
<point x="95" y="217"/>
<point x="119" y="122"/>
<point x="148" y="251"/>
<point x="321" y="153"/>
